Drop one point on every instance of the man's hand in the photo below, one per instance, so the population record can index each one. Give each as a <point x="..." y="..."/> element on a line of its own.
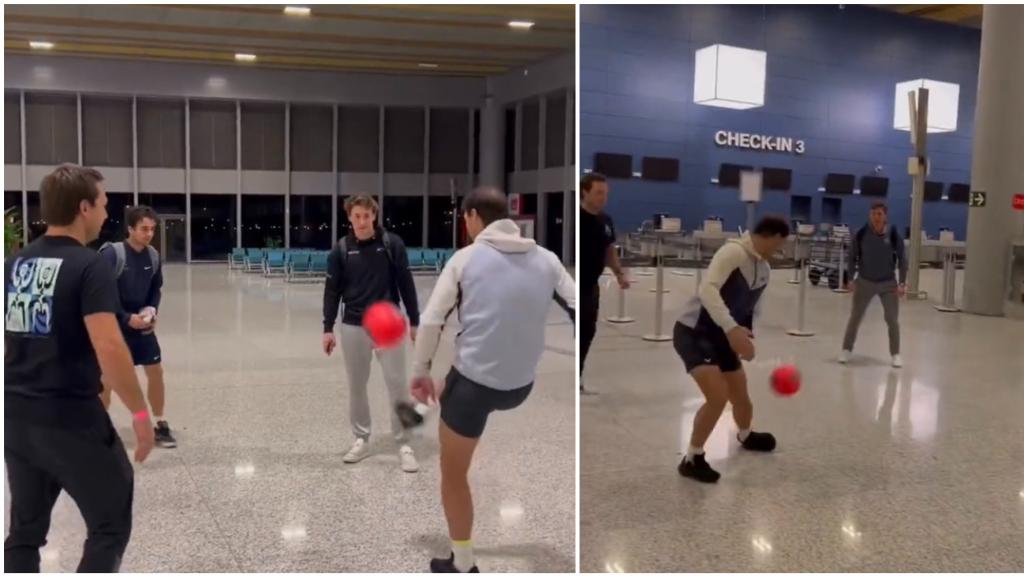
<point x="423" y="390"/>
<point x="412" y="333"/>
<point x="901" y="290"/>
<point x="138" y="322"/>
<point x="329" y="343"/>
<point x="740" y="341"/>
<point x="144" y="440"/>
<point x="623" y="279"/>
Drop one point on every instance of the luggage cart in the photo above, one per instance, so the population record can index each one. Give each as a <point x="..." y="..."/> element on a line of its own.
<point x="827" y="258"/>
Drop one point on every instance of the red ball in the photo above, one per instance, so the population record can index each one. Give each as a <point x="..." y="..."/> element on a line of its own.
<point x="786" y="380"/>
<point x="384" y="323"/>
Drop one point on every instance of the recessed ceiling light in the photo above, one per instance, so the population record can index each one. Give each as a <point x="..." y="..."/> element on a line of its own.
<point x="297" y="11"/>
<point x="245" y="57"/>
<point x="427" y="65"/>
<point x="41" y="45"/>
<point x="521" y="24"/>
<point x="216" y="82"/>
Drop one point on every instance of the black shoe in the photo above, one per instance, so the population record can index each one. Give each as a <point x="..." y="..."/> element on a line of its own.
<point x="698" y="469"/>
<point x="759" y="442"/>
<point x="447" y="565"/>
<point x="163" y="437"/>
<point x="407" y="415"/>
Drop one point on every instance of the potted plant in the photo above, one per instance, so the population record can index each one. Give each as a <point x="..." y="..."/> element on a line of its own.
<point x="13" y="231"/>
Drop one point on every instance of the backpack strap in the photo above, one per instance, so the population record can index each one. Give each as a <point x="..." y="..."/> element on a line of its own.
<point x="154" y="259"/>
<point x="119" y="256"/>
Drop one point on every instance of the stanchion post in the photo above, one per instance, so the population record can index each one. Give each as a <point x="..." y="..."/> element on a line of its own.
<point x="659" y="263"/>
<point x="796" y="257"/>
<point x="659" y="300"/>
<point x="841" y="289"/>
<point x="620" y="316"/>
<point x="948" y="281"/>
<point x="801" y="330"/>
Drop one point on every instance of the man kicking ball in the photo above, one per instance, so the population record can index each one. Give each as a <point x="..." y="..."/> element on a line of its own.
<point x="501" y="287"/>
<point x="714" y="333"/>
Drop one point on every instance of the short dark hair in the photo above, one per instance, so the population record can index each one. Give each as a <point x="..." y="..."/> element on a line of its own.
<point x="137" y="213"/>
<point x="587" y="182"/>
<point x="362" y="200"/>
<point x="879" y="205"/>
<point x="770" y="226"/>
<point x="488" y="202"/>
<point x="62" y="191"/>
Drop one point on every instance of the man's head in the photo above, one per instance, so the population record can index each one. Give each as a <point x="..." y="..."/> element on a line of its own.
<point x="482" y="206"/>
<point x="362" y="214"/>
<point x="769" y="235"/>
<point x="142" y="221"/>
<point x="73" y="197"/>
<point x="879" y="216"/>
<point x="593" y="192"/>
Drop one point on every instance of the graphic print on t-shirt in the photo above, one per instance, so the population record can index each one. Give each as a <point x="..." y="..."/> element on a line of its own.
<point x="30" y="295"/>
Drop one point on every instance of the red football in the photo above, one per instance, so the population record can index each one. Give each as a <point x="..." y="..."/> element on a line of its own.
<point x="384" y="323"/>
<point x="786" y="380"/>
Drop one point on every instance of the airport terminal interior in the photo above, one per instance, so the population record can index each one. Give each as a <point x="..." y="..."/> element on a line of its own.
<point x="246" y="128"/>
<point x="877" y="468"/>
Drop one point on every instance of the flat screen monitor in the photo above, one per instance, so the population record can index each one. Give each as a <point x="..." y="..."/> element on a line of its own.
<point x="839" y="183"/>
<point x="660" y="169"/>
<point x="932" y="191"/>
<point x="959" y="192"/>
<point x="729" y="175"/>
<point x="874" y="186"/>
<point x="614" y="165"/>
<point x="777" y="178"/>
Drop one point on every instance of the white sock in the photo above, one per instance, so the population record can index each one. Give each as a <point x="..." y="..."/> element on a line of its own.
<point x="693" y="451"/>
<point x="463" y="552"/>
<point x="742" y="434"/>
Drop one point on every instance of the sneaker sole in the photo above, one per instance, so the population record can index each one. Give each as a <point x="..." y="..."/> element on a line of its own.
<point x="695" y="478"/>
<point x="167" y="444"/>
<point x="348" y="460"/>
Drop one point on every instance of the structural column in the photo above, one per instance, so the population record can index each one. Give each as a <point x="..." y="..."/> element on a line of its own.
<point x="996" y="160"/>
<point x="492" y="142"/>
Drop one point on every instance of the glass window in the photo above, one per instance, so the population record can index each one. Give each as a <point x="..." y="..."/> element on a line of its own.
<point x="161" y="126"/>
<point x="311" y="222"/>
<point x="529" y="147"/>
<point x="343" y="224"/>
<point x="36" y="226"/>
<point x="115" y="228"/>
<point x="263" y="221"/>
<point x="12" y="128"/>
<point x="164" y="203"/>
<point x="439" y="235"/>
<point x="403" y="215"/>
<point x="213" y="226"/>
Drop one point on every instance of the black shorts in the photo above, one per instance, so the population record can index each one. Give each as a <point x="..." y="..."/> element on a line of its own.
<point x="702" y="347"/>
<point x="144" y="348"/>
<point x="465" y="405"/>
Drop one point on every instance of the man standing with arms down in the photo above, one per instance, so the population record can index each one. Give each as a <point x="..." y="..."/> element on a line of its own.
<point x="369" y="265"/>
<point x="61" y="333"/>
<point x="136" y="265"/>
<point x="500" y="287"/>
<point x="597" y="250"/>
<point x="876" y="252"/>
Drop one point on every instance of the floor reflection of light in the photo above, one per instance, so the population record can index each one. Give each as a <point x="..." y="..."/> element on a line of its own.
<point x="761" y="544"/>
<point x="1021" y="494"/>
<point x="913" y="405"/>
<point x="511" y="513"/>
<point x="717" y="445"/>
<point x="245" y="470"/>
<point x="851" y="531"/>
<point x="293" y="533"/>
<point x="614" y="567"/>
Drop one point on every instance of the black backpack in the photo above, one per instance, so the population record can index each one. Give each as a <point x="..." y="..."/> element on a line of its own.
<point x="894" y="241"/>
<point x="385" y="238"/>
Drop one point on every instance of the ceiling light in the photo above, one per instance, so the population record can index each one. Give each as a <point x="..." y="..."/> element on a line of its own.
<point x="729" y="77"/>
<point x="297" y="11"/>
<point x="241" y="57"/>
<point x="943" y="102"/>
<point x="521" y="24"/>
<point x="427" y="65"/>
<point x="41" y="45"/>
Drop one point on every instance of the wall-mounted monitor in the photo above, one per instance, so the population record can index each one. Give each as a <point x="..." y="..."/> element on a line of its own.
<point x="660" y="169"/>
<point x="839" y="183"/>
<point x="613" y="165"/>
<point x="932" y="191"/>
<point x="729" y="175"/>
<point x="959" y="192"/>
<point x="777" y="178"/>
<point x="874" y="186"/>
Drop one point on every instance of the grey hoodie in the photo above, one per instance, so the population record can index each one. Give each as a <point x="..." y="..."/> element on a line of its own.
<point x="502" y="286"/>
<point x="731" y="290"/>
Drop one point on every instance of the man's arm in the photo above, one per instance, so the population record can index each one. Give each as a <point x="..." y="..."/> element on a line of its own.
<point x="443" y="301"/>
<point x="155" y="289"/>
<point x="332" y="289"/>
<point x="406" y="284"/>
<point x="901" y="255"/>
<point x="115" y="360"/>
<point x="852" y="255"/>
<point x="565" y="288"/>
<point x="725" y="261"/>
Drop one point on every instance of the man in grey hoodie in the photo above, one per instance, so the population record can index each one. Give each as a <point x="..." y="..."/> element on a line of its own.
<point x="501" y="287"/>
<point x="876" y="252"/>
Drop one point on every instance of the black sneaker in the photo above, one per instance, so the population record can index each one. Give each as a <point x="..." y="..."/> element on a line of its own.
<point x="447" y="565"/>
<point x="698" y="469"/>
<point x="407" y="415"/>
<point x="163" y="437"/>
<point x="759" y="442"/>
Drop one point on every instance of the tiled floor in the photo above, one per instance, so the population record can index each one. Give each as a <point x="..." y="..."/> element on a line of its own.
<point x="919" y="469"/>
<point x="257" y="482"/>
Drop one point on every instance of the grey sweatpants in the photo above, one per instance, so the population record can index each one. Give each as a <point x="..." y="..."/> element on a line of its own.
<point x="359" y="352"/>
<point x="863" y="292"/>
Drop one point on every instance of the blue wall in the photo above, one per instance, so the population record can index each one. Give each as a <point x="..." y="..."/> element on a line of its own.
<point x="830" y="81"/>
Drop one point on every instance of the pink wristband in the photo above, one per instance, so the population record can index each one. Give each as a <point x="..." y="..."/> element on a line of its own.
<point x="141" y="415"/>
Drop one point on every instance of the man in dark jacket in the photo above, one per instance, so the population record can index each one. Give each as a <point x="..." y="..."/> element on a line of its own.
<point x="372" y="267"/>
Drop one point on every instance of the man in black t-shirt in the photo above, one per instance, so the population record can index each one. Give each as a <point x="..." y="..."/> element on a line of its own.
<point x="597" y="250"/>
<point x="61" y="333"/>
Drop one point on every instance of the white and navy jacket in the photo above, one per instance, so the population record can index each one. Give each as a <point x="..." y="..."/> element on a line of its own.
<point x="502" y="287"/>
<point x="731" y="291"/>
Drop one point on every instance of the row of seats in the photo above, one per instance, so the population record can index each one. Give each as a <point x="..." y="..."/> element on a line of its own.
<point x="296" y="264"/>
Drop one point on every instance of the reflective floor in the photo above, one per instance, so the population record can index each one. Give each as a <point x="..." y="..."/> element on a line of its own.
<point x="918" y="469"/>
<point x="257" y="482"/>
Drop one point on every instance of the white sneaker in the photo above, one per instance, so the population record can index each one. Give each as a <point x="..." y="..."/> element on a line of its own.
<point x="408" y="458"/>
<point x="897" y="362"/>
<point x="360" y="449"/>
<point x="844" y="356"/>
